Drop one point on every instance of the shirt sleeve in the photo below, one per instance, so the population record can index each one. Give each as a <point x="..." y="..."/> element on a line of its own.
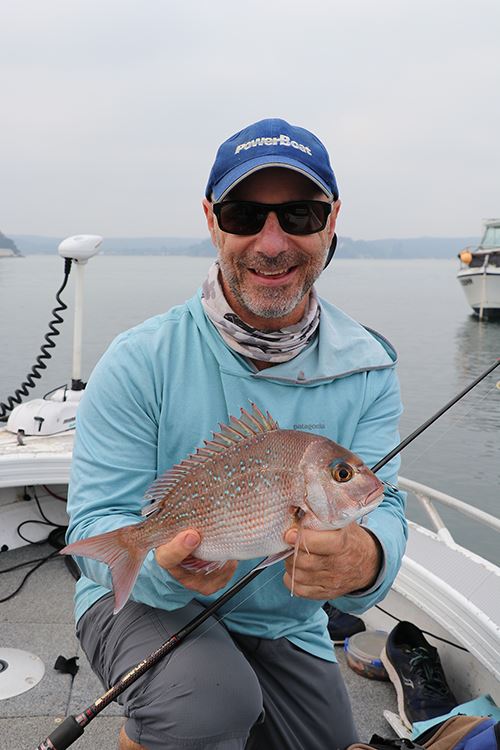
<point x="376" y="435"/>
<point x="115" y="460"/>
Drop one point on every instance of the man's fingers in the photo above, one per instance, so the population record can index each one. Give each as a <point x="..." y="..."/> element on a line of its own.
<point x="308" y="567"/>
<point x="172" y="553"/>
<point x="205" y="584"/>
<point x="318" y="542"/>
<point x="305" y="591"/>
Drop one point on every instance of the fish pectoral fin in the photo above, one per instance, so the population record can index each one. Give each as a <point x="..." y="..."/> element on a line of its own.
<point x="271" y="559"/>
<point x="196" y="565"/>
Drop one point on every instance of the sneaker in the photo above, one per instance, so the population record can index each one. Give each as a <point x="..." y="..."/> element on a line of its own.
<point x="415" y="670"/>
<point x="341" y="625"/>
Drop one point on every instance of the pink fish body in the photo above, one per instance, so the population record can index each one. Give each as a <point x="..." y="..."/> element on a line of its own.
<point x="242" y="491"/>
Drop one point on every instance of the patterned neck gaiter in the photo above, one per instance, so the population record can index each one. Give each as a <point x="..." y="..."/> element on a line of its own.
<point x="268" y="346"/>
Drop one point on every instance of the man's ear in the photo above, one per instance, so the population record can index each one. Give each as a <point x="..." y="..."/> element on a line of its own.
<point x="331" y="251"/>
<point x="211" y="220"/>
<point x="333" y="216"/>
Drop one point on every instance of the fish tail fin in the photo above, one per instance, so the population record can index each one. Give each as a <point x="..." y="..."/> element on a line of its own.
<point x="117" y="550"/>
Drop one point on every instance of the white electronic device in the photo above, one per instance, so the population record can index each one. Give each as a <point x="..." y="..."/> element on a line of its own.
<point x="46" y="416"/>
<point x="80" y="247"/>
<point x="57" y="412"/>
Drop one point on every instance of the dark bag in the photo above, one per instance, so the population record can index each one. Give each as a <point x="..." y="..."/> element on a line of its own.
<point x="457" y="733"/>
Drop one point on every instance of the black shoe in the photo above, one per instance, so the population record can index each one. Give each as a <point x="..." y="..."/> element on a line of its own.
<point x="342" y="625"/>
<point x="415" y="670"/>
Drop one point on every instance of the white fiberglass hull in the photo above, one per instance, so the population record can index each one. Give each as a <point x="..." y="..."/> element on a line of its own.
<point x="482" y="289"/>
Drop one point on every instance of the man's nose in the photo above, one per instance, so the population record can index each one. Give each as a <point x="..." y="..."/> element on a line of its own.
<point x="271" y="239"/>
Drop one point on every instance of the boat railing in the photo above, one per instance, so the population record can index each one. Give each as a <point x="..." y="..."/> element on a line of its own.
<point x="427" y="496"/>
<point x="454" y="587"/>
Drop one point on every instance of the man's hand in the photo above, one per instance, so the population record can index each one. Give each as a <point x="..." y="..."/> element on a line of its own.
<point x="170" y="555"/>
<point x="339" y="562"/>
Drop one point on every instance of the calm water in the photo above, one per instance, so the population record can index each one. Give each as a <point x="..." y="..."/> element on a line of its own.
<point x="417" y="305"/>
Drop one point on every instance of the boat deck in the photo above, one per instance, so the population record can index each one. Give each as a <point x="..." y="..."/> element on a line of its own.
<point x="39" y="619"/>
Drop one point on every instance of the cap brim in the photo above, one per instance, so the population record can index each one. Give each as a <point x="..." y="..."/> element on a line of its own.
<point x="240" y="172"/>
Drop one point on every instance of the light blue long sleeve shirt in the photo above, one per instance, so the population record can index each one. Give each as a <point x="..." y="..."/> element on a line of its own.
<point x="163" y="387"/>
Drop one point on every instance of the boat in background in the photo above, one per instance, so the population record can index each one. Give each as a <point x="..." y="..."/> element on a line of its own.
<point x="479" y="272"/>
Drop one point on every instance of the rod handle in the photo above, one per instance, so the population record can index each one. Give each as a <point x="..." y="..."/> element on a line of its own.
<point x="64" y="736"/>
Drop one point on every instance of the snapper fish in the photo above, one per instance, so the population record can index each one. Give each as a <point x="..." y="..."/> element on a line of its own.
<point x="242" y="491"/>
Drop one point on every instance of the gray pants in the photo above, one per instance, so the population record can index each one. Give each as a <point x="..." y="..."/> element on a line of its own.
<point x="216" y="691"/>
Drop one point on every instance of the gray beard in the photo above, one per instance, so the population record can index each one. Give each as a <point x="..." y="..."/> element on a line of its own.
<point x="278" y="303"/>
<point x="272" y="346"/>
<point x="278" y="306"/>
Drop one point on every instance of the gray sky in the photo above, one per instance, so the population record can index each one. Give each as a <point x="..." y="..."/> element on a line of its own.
<point x="111" y="110"/>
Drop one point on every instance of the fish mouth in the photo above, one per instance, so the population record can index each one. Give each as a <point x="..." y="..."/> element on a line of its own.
<point x="374" y="495"/>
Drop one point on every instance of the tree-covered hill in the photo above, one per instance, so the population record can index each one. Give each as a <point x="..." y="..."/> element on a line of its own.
<point x="7" y="244"/>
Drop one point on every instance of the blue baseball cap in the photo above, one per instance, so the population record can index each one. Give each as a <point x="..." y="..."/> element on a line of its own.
<point x="270" y="143"/>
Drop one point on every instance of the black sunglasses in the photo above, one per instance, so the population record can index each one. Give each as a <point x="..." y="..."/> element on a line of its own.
<point x="295" y="217"/>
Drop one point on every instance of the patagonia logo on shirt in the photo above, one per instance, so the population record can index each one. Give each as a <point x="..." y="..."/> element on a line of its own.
<point x="283" y="140"/>
<point x="310" y="426"/>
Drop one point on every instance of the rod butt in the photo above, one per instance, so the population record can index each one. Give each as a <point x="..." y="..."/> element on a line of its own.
<point x="64" y="736"/>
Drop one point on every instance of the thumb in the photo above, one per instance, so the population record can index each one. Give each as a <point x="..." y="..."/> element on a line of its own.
<point x="291" y="536"/>
<point x="181" y="546"/>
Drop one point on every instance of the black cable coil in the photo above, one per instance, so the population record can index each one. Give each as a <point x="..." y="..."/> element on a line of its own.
<point x="35" y="373"/>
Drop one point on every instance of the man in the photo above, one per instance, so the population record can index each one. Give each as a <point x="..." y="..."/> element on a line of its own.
<point x="265" y="675"/>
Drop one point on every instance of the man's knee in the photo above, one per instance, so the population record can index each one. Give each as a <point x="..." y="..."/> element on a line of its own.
<point x="204" y="688"/>
<point x="125" y="743"/>
<point x="215" y="701"/>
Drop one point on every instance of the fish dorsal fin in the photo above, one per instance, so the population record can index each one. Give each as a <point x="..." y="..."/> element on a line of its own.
<point x="247" y="425"/>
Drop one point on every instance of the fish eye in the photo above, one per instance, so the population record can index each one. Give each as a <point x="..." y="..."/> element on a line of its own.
<point x="342" y="472"/>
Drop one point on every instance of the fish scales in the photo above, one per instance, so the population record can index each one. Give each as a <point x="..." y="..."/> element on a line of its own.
<point x="242" y="491"/>
<point x="244" y="498"/>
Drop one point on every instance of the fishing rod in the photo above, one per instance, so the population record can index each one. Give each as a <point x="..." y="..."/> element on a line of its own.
<point x="73" y="726"/>
<point x="432" y="419"/>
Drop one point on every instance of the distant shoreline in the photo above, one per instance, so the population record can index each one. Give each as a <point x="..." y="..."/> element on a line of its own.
<point x="338" y="256"/>
<point x="391" y="248"/>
